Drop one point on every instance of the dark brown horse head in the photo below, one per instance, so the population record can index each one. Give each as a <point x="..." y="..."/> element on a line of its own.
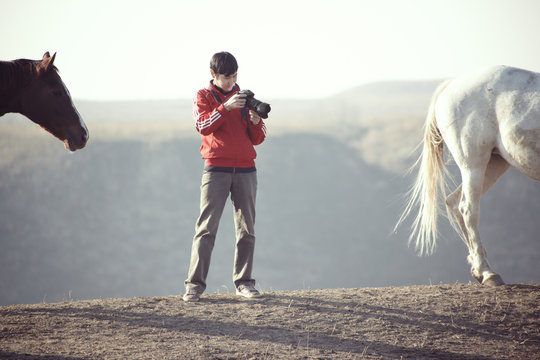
<point x="47" y="102"/>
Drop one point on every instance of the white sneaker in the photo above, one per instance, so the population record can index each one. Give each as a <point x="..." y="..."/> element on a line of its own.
<point x="192" y="295"/>
<point x="248" y="291"/>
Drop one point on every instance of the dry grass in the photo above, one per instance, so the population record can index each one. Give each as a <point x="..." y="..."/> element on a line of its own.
<point x="420" y="322"/>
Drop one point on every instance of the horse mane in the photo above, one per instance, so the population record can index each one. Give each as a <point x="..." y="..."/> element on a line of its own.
<point x="18" y="73"/>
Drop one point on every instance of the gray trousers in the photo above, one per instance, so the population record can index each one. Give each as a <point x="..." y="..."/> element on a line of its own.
<point x="215" y="189"/>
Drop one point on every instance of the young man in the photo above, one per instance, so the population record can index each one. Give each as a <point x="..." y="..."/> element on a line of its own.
<point x="229" y="131"/>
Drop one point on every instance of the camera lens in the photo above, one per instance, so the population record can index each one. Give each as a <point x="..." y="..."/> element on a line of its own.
<point x="263" y="109"/>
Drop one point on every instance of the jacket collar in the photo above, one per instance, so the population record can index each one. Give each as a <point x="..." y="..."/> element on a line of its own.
<point x="218" y="92"/>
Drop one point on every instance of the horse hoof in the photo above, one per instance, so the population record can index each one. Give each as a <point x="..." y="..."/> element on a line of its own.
<point x="478" y="278"/>
<point x="493" y="280"/>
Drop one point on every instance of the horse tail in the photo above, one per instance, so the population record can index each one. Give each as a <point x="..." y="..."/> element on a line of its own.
<point x="429" y="182"/>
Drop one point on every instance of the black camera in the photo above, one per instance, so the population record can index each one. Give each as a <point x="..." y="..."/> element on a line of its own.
<point x="261" y="108"/>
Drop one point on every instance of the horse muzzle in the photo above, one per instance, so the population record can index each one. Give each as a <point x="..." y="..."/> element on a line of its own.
<point x="76" y="140"/>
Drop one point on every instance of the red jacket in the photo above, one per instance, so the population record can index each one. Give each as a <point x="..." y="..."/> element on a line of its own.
<point x="227" y="138"/>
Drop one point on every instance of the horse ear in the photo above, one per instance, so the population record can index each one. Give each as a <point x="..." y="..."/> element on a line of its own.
<point x="47" y="62"/>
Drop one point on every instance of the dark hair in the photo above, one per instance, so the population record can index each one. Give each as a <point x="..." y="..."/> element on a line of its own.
<point x="223" y="63"/>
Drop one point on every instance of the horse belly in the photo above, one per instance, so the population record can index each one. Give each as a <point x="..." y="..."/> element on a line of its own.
<point x="520" y="146"/>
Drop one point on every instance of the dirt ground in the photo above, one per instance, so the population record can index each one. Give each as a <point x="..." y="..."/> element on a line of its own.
<point x="416" y="322"/>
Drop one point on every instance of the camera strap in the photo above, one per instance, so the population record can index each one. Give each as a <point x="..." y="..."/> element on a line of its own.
<point x="216" y="96"/>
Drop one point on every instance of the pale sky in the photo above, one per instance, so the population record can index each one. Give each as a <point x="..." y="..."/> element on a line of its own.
<point x="111" y="50"/>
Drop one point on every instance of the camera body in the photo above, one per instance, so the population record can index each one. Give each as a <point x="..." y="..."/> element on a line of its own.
<point x="261" y="108"/>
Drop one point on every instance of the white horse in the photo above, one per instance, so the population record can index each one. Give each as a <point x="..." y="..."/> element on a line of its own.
<point x="488" y="121"/>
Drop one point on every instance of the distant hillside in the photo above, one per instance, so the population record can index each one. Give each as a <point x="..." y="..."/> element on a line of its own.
<point x="117" y="218"/>
<point x="361" y="105"/>
<point x="382" y="121"/>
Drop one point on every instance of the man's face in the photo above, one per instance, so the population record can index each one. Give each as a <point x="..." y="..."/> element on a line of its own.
<point x="225" y="82"/>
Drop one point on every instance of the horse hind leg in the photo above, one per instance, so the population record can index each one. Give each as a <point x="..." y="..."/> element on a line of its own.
<point x="469" y="208"/>
<point x="458" y="223"/>
<point x="496" y="167"/>
<point x="455" y="217"/>
<point x="475" y="184"/>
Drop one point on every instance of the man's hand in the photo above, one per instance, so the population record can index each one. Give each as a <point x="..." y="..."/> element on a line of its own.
<point x="255" y="119"/>
<point x="237" y="101"/>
